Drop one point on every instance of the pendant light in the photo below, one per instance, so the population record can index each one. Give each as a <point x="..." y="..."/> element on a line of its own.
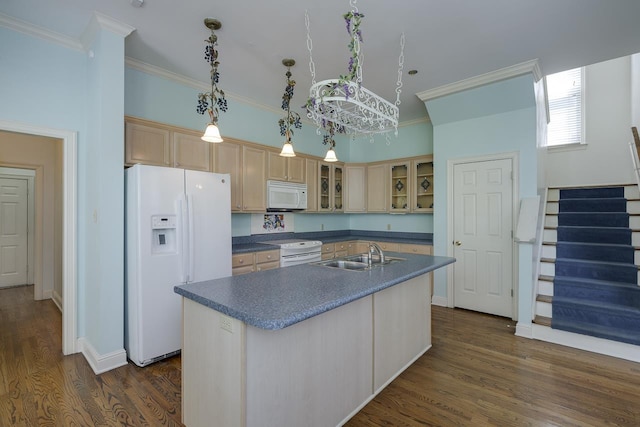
<point x="214" y="101"/>
<point x="327" y="139"/>
<point x="292" y="117"/>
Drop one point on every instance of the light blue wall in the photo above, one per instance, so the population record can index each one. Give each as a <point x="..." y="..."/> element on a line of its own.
<point x="46" y="85"/>
<point x="463" y="130"/>
<point x="154" y="98"/>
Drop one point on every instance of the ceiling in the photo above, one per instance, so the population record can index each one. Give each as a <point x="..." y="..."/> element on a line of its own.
<point x="446" y="41"/>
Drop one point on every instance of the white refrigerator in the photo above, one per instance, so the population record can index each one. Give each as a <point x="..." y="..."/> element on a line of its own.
<point x="178" y="230"/>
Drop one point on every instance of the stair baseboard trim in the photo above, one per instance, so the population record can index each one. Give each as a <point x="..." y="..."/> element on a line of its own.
<point x="584" y="342"/>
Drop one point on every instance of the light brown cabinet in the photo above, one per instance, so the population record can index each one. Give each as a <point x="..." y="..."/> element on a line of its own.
<point x="331" y="187"/>
<point x="377" y="188"/>
<point x="356" y="188"/>
<point x="399" y="185"/>
<point x="156" y="144"/>
<point x="290" y="169"/>
<point x="312" y="184"/>
<point x="254" y="173"/>
<point x="228" y="159"/>
<point x="422" y="170"/>
<point x="254" y="261"/>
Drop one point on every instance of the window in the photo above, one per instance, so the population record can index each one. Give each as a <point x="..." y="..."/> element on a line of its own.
<point x="565" y="94"/>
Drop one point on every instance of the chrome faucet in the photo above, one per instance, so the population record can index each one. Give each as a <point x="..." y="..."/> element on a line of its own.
<point x="375" y="247"/>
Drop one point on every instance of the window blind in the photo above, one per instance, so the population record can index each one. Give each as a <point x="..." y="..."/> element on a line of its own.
<point x="564" y="91"/>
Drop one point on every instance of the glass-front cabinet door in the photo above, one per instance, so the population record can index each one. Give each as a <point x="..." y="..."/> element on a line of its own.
<point x="423" y="185"/>
<point x="324" y="190"/>
<point x="400" y="187"/>
<point x="338" y="188"/>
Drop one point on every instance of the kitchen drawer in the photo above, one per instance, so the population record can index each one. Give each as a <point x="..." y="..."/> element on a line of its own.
<point x="415" y="249"/>
<point x="341" y="246"/>
<point x="268" y="265"/>
<point x="268" y="256"/>
<point x="328" y="248"/>
<point x="242" y="270"/>
<point x="388" y="246"/>
<point x="340" y="254"/>
<point x="242" y="260"/>
<point x="326" y="256"/>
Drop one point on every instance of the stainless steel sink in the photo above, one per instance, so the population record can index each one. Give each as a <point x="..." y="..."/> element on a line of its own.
<point x="344" y="264"/>
<point x="375" y="260"/>
<point x="358" y="262"/>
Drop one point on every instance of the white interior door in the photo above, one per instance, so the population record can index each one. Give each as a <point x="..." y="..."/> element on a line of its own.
<point x="13" y="232"/>
<point x="483" y="242"/>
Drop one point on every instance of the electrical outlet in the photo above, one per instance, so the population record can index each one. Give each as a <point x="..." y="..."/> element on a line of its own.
<point x="225" y="323"/>
<point x="388" y="226"/>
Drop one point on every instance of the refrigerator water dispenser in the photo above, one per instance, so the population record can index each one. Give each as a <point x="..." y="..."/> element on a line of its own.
<point x="163" y="232"/>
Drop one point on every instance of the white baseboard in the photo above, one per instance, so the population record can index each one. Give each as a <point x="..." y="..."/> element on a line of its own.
<point x="102" y="363"/>
<point x="525" y="331"/>
<point x="57" y="299"/>
<point x="440" y="301"/>
<point x="585" y="342"/>
<point x="47" y="294"/>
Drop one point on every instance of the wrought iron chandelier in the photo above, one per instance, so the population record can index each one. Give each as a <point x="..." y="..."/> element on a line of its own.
<point x="344" y="103"/>
<point x="292" y="117"/>
<point x="214" y="101"/>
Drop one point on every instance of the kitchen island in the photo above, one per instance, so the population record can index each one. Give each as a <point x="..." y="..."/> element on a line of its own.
<point x="304" y="345"/>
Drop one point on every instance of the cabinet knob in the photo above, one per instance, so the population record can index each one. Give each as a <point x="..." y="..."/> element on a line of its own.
<point x="268" y="256"/>
<point x="241" y="261"/>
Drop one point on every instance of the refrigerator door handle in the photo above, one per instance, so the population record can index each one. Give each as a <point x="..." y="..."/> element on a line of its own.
<point x="190" y="272"/>
<point x="184" y="237"/>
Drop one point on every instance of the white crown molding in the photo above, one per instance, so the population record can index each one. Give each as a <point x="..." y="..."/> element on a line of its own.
<point x="102" y="22"/>
<point x="39" y="32"/>
<point x="414" y="122"/>
<point x="527" y="67"/>
<point x="195" y="84"/>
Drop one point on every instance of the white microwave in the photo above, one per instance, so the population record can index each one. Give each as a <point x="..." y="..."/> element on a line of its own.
<point x="286" y="196"/>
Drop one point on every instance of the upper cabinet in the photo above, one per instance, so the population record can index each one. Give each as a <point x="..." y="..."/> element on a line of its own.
<point x="422" y="184"/>
<point x="311" y="166"/>
<point x="356" y="189"/>
<point x="399" y="186"/>
<point x="254" y="173"/>
<point x="156" y="144"/>
<point x="377" y="188"/>
<point x="290" y="169"/>
<point x="331" y="187"/>
<point x="228" y="159"/>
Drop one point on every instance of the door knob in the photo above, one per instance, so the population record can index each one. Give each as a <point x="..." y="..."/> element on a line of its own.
<point x="457" y="243"/>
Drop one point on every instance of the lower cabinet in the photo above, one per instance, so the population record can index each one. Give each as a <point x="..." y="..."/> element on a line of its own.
<point x="254" y="261"/>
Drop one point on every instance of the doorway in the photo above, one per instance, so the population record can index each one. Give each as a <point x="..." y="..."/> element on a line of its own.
<point x="482" y="201"/>
<point x="16" y="226"/>
<point x="68" y="261"/>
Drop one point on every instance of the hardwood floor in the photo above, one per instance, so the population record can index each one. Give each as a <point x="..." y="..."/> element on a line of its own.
<point x="477" y="374"/>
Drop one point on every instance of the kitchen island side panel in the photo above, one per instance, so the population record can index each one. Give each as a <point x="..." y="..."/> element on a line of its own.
<point x="313" y="373"/>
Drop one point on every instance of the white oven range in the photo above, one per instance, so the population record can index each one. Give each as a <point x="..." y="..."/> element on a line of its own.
<point x="297" y="251"/>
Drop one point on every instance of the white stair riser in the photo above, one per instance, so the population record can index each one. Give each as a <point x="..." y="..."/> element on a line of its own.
<point x="545" y="288"/>
<point x="631" y="192"/>
<point x="553" y="208"/>
<point x="551" y="236"/>
<point x="547" y="269"/>
<point x="553" y="195"/>
<point x="634" y="222"/>
<point x="551" y="221"/>
<point x="549" y="251"/>
<point x="633" y="207"/>
<point x="635" y="239"/>
<point x="543" y="309"/>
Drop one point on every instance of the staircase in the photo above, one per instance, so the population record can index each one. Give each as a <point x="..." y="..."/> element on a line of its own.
<point x="588" y="281"/>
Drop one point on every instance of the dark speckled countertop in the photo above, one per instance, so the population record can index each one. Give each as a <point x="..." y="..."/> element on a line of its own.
<point x="275" y="299"/>
<point x="255" y="243"/>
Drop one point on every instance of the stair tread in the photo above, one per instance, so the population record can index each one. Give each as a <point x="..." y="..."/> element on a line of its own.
<point x="590" y="261"/>
<point x="601" y="331"/>
<point x="545" y="278"/>
<point x="542" y="320"/>
<point x="544" y="298"/>
<point x="611" y="245"/>
<point x="597" y="305"/>
<point x="598" y="282"/>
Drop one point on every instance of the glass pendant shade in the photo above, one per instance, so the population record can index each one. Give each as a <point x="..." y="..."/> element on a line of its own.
<point x="287" y="150"/>
<point x="212" y="134"/>
<point x="331" y="156"/>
